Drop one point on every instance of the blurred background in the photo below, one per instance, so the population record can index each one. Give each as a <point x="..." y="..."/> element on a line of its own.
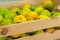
<point x="7" y="1"/>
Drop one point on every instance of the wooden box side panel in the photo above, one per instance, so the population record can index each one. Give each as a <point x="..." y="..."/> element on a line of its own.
<point x="31" y="26"/>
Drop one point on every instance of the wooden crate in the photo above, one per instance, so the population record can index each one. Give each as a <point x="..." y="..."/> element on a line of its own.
<point x="31" y="25"/>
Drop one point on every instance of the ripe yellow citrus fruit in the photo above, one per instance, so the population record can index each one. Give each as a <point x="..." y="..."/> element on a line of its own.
<point x="15" y="36"/>
<point x="32" y="15"/>
<point x="48" y="5"/>
<point x="50" y="30"/>
<point x="20" y="18"/>
<point x="15" y="9"/>
<point x="1" y="18"/>
<point x="43" y="17"/>
<point x="26" y="5"/>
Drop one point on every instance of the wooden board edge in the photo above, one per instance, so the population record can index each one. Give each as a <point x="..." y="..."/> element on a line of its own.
<point x="31" y="26"/>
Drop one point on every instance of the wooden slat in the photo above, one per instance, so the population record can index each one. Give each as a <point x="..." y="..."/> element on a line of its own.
<point x="46" y="36"/>
<point x="31" y="26"/>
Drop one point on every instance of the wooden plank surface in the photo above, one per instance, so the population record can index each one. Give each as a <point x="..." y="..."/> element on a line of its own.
<point x="31" y="26"/>
<point x="46" y="36"/>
